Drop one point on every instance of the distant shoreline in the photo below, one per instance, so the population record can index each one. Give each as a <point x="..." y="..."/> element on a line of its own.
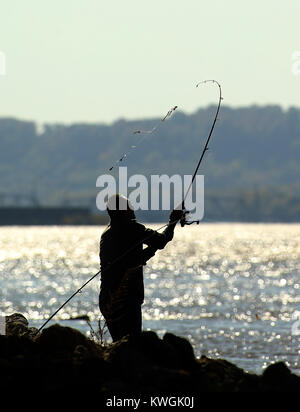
<point x="83" y="216"/>
<point x="150" y="223"/>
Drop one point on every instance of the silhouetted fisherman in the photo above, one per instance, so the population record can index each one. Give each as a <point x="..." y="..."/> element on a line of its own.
<point x="122" y="258"/>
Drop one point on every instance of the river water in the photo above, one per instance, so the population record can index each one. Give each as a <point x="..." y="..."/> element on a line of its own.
<point x="231" y="289"/>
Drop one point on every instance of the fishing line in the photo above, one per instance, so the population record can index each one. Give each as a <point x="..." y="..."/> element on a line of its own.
<point x="145" y="132"/>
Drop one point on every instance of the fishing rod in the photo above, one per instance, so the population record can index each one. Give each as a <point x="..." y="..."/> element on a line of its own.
<point x="183" y="220"/>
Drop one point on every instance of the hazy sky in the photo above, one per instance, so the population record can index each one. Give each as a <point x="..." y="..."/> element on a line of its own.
<point x="97" y="61"/>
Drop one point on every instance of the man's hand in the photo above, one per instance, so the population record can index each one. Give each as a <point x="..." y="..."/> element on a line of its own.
<point x="176" y="215"/>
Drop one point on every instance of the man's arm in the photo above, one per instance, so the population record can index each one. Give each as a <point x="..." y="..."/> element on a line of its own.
<point x="156" y="240"/>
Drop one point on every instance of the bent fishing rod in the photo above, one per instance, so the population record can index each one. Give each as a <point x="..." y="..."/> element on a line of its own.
<point x="183" y="220"/>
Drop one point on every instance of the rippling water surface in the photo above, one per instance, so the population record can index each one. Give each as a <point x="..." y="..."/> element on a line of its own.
<point x="232" y="289"/>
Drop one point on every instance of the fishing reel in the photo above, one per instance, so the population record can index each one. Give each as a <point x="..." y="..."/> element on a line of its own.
<point x="184" y="221"/>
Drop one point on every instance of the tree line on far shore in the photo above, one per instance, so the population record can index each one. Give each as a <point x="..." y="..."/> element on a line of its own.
<point x="251" y="170"/>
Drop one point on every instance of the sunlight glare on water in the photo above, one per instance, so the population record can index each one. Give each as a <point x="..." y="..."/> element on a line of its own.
<point x="232" y="289"/>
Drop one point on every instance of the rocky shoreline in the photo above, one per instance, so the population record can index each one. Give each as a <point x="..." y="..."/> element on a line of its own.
<point x="62" y="360"/>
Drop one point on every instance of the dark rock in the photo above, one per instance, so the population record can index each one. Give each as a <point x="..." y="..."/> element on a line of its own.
<point x="155" y="350"/>
<point x="145" y="351"/>
<point x="62" y="360"/>
<point x="277" y="377"/>
<point x="17" y="324"/>
<point x="63" y="340"/>
<point x="249" y="382"/>
<point x="150" y="364"/>
<point x="183" y="349"/>
<point x="219" y="375"/>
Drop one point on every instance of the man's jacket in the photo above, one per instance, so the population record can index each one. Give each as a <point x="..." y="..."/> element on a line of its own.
<point x="122" y="257"/>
